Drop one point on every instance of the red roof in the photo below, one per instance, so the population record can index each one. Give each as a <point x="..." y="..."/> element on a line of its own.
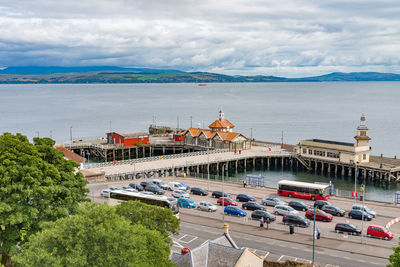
<point x="221" y="124"/>
<point x="362" y="137"/>
<point x="225" y="136"/>
<point x="70" y="155"/>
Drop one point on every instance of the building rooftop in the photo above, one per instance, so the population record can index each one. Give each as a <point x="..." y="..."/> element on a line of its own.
<point x="70" y="155"/>
<point x="132" y="134"/>
<point x="331" y="142"/>
<point x="221" y="124"/>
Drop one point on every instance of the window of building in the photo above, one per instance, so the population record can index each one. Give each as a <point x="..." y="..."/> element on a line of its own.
<point x="363" y="133"/>
<point x="310" y="151"/>
<point x="304" y="150"/>
<point x="364" y="156"/>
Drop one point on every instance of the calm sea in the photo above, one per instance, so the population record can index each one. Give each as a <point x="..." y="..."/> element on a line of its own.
<point x="328" y="110"/>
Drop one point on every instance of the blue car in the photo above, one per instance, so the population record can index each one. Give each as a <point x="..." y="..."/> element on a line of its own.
<point x="185" y="185"/>
<point x="186" y="203"/>
<point x="244" y="198"/>
<point x="233" y="210"/>
<point x="357" y="214"/>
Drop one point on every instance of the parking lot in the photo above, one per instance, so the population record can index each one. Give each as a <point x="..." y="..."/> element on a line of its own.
<point x="326" y="228"/>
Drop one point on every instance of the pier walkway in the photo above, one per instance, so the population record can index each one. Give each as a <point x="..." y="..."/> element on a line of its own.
<point x="214" y="161"/>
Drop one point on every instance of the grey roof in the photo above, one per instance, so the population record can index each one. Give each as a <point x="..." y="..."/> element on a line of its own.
<point x="362" y="127"/>
<point x="132" y="134"/>
<point x="331" y="142"/>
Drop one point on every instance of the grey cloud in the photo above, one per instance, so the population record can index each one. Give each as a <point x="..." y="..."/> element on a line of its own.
<point x="293" y="38"/>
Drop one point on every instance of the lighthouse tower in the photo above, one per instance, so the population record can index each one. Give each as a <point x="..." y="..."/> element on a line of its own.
<point x="362" y="140"/>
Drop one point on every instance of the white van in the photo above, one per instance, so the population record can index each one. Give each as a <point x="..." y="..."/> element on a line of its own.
<point x="176" y="186"/>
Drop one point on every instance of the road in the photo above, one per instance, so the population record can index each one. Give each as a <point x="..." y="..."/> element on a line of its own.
<point x="193" y="235"/>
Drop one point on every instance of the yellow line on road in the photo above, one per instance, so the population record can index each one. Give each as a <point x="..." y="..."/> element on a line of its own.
<point x="211" y="232"/>
<point x="320" y="252"/>
<point x="347" y="258"/>
<point x="360" y="260"/>
<point x="375" y="263"/>
<point x="282" y="245"/>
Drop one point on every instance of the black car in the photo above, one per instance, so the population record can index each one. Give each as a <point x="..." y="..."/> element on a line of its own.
<point x="333" y="210"/>
<point x="295" y="220"/>
<point x="257" y="214"/>
<point x="146" y="183"/>
<point x="320" y="203"/>
<point x="347" y="228"/>
<point x="138" y="187"/>
<point x="198" y="191"/>
<point x="218" y="194"/>
<point x="154" y="189"/>
<point x="251" y="205"/>
<point x="298" y="205"/>
<point x="244" y="198"/>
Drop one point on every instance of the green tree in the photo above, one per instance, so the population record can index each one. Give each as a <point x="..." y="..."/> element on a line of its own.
<point x="95" y="236"/>
<point x="395" y="257"/>
<point x="37" y="185"/>
<point x="153" y="217"/>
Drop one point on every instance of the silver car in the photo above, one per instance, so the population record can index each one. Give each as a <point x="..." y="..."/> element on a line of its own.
<point x="284" y="210"/>
<point x="272" y="201"/>
<point x="105" y="193"/>
<point x="206" y="206"/>
<point x="180" y="193"/>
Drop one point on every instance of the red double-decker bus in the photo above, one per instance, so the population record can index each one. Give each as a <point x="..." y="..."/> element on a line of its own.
<point x="303" y="190"/>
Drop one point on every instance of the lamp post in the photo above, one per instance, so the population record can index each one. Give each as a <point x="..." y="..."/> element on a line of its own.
<point x="223" y="194"/>
<point x="355" y="182"/>
<point x="313" y="240"/>
<point x="362" y="189"/>
<point x="208" y="170"/>
<point x="70" y="133"/>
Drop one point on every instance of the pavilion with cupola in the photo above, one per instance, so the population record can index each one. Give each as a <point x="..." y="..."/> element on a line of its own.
<point x="220" y="135"/>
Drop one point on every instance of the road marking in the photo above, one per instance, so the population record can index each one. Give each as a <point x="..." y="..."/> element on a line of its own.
<point x="176" y="244"/>
<point x="189" y="238"/>
<point x="204" y="243"/>
<point x="347" y="258"/>
<point x="320" y="252"/>
<point x="211" y="232"/>
<point x="281" y="245"/>
<point x="360" y="260"/>
<point x="266" y="255"/>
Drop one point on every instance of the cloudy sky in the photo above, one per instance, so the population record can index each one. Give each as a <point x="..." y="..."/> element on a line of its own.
<point x="283" y="38"/>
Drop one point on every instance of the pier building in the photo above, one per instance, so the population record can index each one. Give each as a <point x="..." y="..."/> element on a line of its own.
<point x="127" y="138"/>
<point x="218" y="136"/>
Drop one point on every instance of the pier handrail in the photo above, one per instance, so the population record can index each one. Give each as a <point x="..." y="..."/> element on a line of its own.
<point x="154" y="158"/>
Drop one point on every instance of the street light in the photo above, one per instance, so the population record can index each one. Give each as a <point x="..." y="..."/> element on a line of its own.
<point x="313" y="240"/>
<point x="355" y="182"/>
<point x="362" y="215"/>
<point x="70" y="133"/>
<point x="223" y="193"/>
<point x="208" y="169"/>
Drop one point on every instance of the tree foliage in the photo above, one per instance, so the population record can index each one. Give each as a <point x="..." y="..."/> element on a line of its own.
<point x="394" y="259"/>
<point x="95" y="236"/>
<point x="37" y="185"/>
<point x="153" y="217"/>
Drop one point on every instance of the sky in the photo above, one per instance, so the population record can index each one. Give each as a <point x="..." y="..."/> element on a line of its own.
<point x="235" y="37"/>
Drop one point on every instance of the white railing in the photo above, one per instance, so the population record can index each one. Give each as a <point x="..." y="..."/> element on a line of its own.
<point x="155" y="158"/>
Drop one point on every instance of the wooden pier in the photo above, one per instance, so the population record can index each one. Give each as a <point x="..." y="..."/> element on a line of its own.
<point x="380" y="169"/>
<point x="215" y="162"/>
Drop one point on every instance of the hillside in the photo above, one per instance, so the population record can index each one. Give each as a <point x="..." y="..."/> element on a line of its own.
<point x="109" y="74"/>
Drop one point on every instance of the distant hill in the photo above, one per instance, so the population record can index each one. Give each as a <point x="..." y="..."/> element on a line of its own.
<point x="110" y="74"/>
<point x="34" y="70"/>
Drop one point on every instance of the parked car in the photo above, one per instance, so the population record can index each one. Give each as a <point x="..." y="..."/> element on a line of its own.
<point x="136" y="186"/>
<point x="244" y="198"/>
<point x="347" y="228"/>
<point x="155" y="189"/>
<point x="233" y="210"/>
<point x="207" y="206"/>
<point x="299" y="205"/>
<point x="283" y="210"/>
<point x="252" y="205"/>
<point x="160" y="184"/>
<point x="148" y="193"/>
<point x="198" y="191"/>
<point x="257" y="214"/>
<point x="272" y="201"/>
<point x="366" y="209"/>
<point x="126" y="187"/>
<point x="358" y="214"/>
<point x="144" y="184"/>
<point x="379" y="231"/>
<point x="320" y="215"/>
<point x="296" y="220"/>
<point x="175" y="186"/>
<point x="218" y="194"/>
<point x="320" y="203"/>
<point x="186" y="203"/>
<point x="226" y="201"/>
<point x="180" y="193"/>
<point x="333" y="210"/>
<point x="105" y="192"/>
<point x="185" y="185"/>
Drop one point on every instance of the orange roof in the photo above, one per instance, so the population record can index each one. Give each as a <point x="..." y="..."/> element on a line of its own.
<point x="221" y="124"/>
<point x="70" y="155"/>
<point x="227" y="136"/>
<point x="362" y="137"/>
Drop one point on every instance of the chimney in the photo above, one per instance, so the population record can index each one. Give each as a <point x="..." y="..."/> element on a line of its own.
<point x="226" y="229"/>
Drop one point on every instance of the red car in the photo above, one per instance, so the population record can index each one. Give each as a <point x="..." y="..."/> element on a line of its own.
<point x="379" y="231"/>
<point x="320" y="215"/>
<point x="227" y="201"/>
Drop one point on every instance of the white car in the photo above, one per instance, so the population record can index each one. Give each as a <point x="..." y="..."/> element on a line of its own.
<point x="176" y="186"/>
<point x="131" y="190"/>
<point x="105" y="193"/>
<point x="180" y="193"/>
<point x="206" y="206"/>
<point x="284" y="210"/>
